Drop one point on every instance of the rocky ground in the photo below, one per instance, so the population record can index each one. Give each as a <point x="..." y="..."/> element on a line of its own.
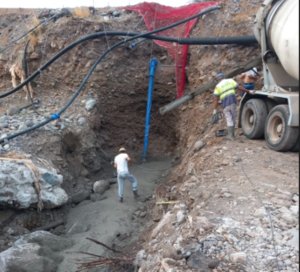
<point x="219" y="205"/>
<point x="236" y="210"/>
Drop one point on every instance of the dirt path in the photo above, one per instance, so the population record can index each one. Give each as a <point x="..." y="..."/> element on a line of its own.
<point x="109" y="221"/>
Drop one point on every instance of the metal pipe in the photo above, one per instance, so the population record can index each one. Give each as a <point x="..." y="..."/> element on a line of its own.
<point x="174" y="104"/>
<point x="152" y="69"/>
<point x="239" y="69"/>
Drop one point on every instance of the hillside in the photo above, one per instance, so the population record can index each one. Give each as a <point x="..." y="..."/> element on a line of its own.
<point x="228" y="206"/>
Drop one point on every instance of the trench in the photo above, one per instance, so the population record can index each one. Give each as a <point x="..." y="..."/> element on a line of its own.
<point x="118" y="121"/>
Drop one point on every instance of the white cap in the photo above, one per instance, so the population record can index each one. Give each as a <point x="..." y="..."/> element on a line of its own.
<point x="122" y="149"/>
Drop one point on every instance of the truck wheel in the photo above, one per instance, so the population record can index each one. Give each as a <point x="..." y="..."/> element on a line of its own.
<point x="279" y="136"/>
<point x="254" y="114"/>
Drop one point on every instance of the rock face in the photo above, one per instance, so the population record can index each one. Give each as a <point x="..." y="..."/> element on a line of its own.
<point x="24" y="182"/>
<point x="38" y="251"/>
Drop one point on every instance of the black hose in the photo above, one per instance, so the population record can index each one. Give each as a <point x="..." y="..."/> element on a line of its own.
<point x="96" y="35"/>
<point x="57" y="115"/>
<point x="25" y="67"/>
<point x="24" y="59"/>
<point x="239" y="40"/>
<point x="9" y="137"/>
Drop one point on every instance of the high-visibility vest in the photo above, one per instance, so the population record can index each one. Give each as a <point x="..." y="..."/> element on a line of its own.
<point x="225" y="88"/>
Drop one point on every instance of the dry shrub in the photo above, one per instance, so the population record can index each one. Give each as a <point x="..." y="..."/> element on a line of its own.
<point x="81" y="12"/>
<point x="240" y="18"/>
<point x="34" y="40"/>
<point x="36" y="34"/>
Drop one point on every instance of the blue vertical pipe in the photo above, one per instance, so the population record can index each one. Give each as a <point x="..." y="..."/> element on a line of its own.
<point x="152" y="67"/>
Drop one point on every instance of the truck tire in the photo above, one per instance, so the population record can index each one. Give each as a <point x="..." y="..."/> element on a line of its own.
<point x="253" y="118"/>
<point x="278" y="135"/>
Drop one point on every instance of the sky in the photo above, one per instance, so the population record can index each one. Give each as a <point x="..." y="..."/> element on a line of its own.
<point x="77" y="3"/>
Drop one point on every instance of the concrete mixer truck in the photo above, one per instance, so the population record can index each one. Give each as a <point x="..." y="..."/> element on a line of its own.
<point x="273" y="111"/>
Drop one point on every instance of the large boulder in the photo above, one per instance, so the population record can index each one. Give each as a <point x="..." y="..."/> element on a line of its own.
<point x="100" y="186"/>
<point x="25" y="182"/>
<point x="37" y="251"/>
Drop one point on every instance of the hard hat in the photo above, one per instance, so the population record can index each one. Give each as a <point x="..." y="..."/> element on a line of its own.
<point x="122" y="149"/>
<point x="220" y="75"/>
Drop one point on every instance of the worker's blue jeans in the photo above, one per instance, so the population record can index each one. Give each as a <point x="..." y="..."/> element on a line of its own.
<point x="122" y="176"/>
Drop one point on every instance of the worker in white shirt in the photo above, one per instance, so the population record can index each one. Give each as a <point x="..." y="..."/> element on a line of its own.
<point x="121" y="164"/>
